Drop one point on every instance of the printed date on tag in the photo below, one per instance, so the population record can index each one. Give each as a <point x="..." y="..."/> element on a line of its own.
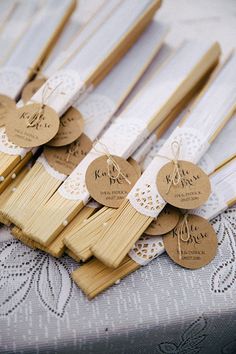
<point x="192" y="245"/>
<point x="107" y="185"/>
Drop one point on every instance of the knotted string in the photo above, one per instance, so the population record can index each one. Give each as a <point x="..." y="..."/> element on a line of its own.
<point x="175" y="175"/>
<point x="46" y="94"/>
<point x="180" y="233"/>
<point x="110" y="162"/>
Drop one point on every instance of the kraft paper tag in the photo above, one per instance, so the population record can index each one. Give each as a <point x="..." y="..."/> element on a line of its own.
<point x="70" y="129"/>
<point x="32" y="125"/>
<point x="191" y="192"/>
<point x="65" y="159"/>
<point x="7" y="105"/>
<point x="31" y="88"/>
<point x="165" y="222"/>
<point x="201" y="247"/>
<point x="106" y="190"/>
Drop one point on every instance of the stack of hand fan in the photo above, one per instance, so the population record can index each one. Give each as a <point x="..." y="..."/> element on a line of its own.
<point x="84" y="152"/>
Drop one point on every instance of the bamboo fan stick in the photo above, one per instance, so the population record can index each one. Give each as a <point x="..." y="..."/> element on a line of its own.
<point x="80" y="240"/>
<point x="72" y="255"/>
<point x="41" y="182"/>
<point x="157" y="105"/>
<point x="205" y="122"/>
<point x="94" y="277"/>
<point x="17" y="233"/>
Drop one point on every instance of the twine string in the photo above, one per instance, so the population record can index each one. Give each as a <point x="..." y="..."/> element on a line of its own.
<point x="110" y="162"/>
<point x="180" y="234"/>
<point x="46" y="94"/>
<point x="175" y="175"/>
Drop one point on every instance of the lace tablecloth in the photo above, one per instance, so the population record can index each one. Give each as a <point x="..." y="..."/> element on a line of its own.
<point x="161" y="308"/>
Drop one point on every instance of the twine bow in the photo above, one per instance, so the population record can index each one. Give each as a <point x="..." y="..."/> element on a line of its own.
<point x="46" y="94"/>
<point x="110" y="162"/>
<point x="180" y="233"/>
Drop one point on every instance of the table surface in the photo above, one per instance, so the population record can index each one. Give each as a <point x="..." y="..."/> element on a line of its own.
<point x="161" y="308"/>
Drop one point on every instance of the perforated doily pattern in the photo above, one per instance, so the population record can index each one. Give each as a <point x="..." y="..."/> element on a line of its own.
<point x="50" y="170"/>
<point x="11" y="81"/>
<point x="192" y="147"/>
<point x="74" y="188"/>
<point x="66" y="86"/>
<point x="146" y="249"/>
<point x="7" y="147"/>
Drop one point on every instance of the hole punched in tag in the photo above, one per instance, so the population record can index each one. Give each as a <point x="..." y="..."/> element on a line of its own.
<point x="109" y="178"/>
<point x="182" y="183"/>
<point x="36" y="123"/>
<point x="193" y="242"/>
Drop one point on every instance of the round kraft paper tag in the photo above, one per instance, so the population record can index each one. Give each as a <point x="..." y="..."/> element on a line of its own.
<point x="70" y="129"/>
<point x="32" y="125"/>
<point x="66" y="158"/>
<point x="193" y="250"/>
<point x="193" y="187"/>
<point x="165" y="222"/>
<point x="31" y="88"/>
<point x="106" y="185"/>
<point x="7" y="105"/>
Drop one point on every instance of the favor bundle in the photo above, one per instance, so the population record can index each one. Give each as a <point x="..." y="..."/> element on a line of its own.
<point x="172" y="176"/>
<point x="161" y="95"/>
